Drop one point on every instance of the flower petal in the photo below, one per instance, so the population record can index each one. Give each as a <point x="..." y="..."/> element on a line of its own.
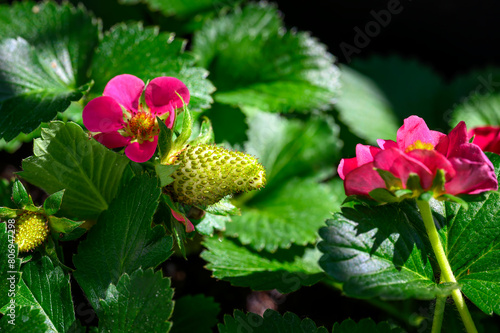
<point x="363" y="180"/>
<point x="347" y="165"/>
<point x="414" y="129"/>
<point x="161" y="96"/>
<point x="126" y="89"/>
<point x="433" y="160"/>
<point x="184" y="220"/>
<point x="487" y="138"/>
<point x="402" y="165"/>
<point x="141" y="152"/>
<point x="457" y="137"/>
<point x="471" y="178"/>
<point x="103" y="114"/>
<point x="112" y="139"/>
<point x="364" y="154"/>
<point x="386" y="144"/>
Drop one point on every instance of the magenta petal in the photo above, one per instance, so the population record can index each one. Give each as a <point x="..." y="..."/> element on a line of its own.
<point x="414" y="129"/>
<point x="126" y="89"/>
<point x="401" y="166"/>
<point x="471" y="178"/>
<point x="102" y="114"/>
<point x="363" y="180"/>
<point x="365" y="154"/>
<point x="112" y="139"/>
<point x="386" y="144"/>
<point x="162" y="95"/>
<point x="457" y="137"/>
<point x="487" y="138"/>
<point x="141" y="152"/>
<point x="347" y="165"/>
<point x="184" y="220"/>
<point x="433" y="160"/>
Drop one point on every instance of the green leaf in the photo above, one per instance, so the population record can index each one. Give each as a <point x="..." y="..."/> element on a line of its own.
<point x="13" y="145"/>
<point x="289" y="214"/>
<point x="288" y="148"/>
<point x="409" y="86"/>
<point x="380" y="251"/>
<point x="52" y="204"/>
<point x="478" y="110"/>
<point x="65" y="158"/>
<point x="62" y="224"/>
<point x="27" y="320"/>
<point x="359" y="94"/>
<point x="6" y="192"/>
<point x="206" y="135"/>
<point x="46" y="287"/>
<point x="164" y="172"/>
<point x="41" y="71"/>
<point x="285" y="270"/>
<point x="229" y="123"/>
<point x="141" y="302"/>
<point x="473" y="249"/>
<point x="281" y="213"/>
<point x="183" y="9"/>
<point x="186" y="130"/>
<point x="164" y="139"/>
<point x="364" y="325"/>
<point x="464" y="89"/>
<point x="271" y="322"/>
<point x="260" y="64"/>
<point x="122" y="240"/>
<point x="200" y="321"/>
<point x="21" y="198"/>
<point x="224" y="207"/>
<point x="147" y="53"/>
<point x="10" y="263"/>
<point x="211" y="223"/>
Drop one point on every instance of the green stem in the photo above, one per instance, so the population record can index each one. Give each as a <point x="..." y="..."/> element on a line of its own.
<point x="437" y="321"/>
<point x="446" y="271"/>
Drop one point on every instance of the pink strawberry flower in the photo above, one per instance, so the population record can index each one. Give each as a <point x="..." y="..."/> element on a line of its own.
<point x="487" y="138"/>
<point x="119" y="119"/>
<point x="420" y="151"/>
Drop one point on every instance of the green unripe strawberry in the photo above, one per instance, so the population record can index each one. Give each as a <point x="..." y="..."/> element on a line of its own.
<point x="208" y="173"/>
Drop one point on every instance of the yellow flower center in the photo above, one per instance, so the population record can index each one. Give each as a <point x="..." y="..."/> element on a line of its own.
<point x="31" y="230"/>
<point x="142" y="126"/>
<point x="419" y="145"/>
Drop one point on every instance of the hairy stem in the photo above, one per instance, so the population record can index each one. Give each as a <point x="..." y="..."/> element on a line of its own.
<point x="437" y="320"/>
<point x="446" y="271"/>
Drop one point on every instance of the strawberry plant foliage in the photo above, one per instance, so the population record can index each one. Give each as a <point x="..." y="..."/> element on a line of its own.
<point x="123" y="231"/>
<point x="294" y="154"/>
<point x="44" y="55"/>
<point x="258" y="65"/>
<point x="220" y="154"/>
<point x="126" y="308"/>
<point x="284" y="270"/>
<point x="41" y="281"/>
<point x="65" y="158"/>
